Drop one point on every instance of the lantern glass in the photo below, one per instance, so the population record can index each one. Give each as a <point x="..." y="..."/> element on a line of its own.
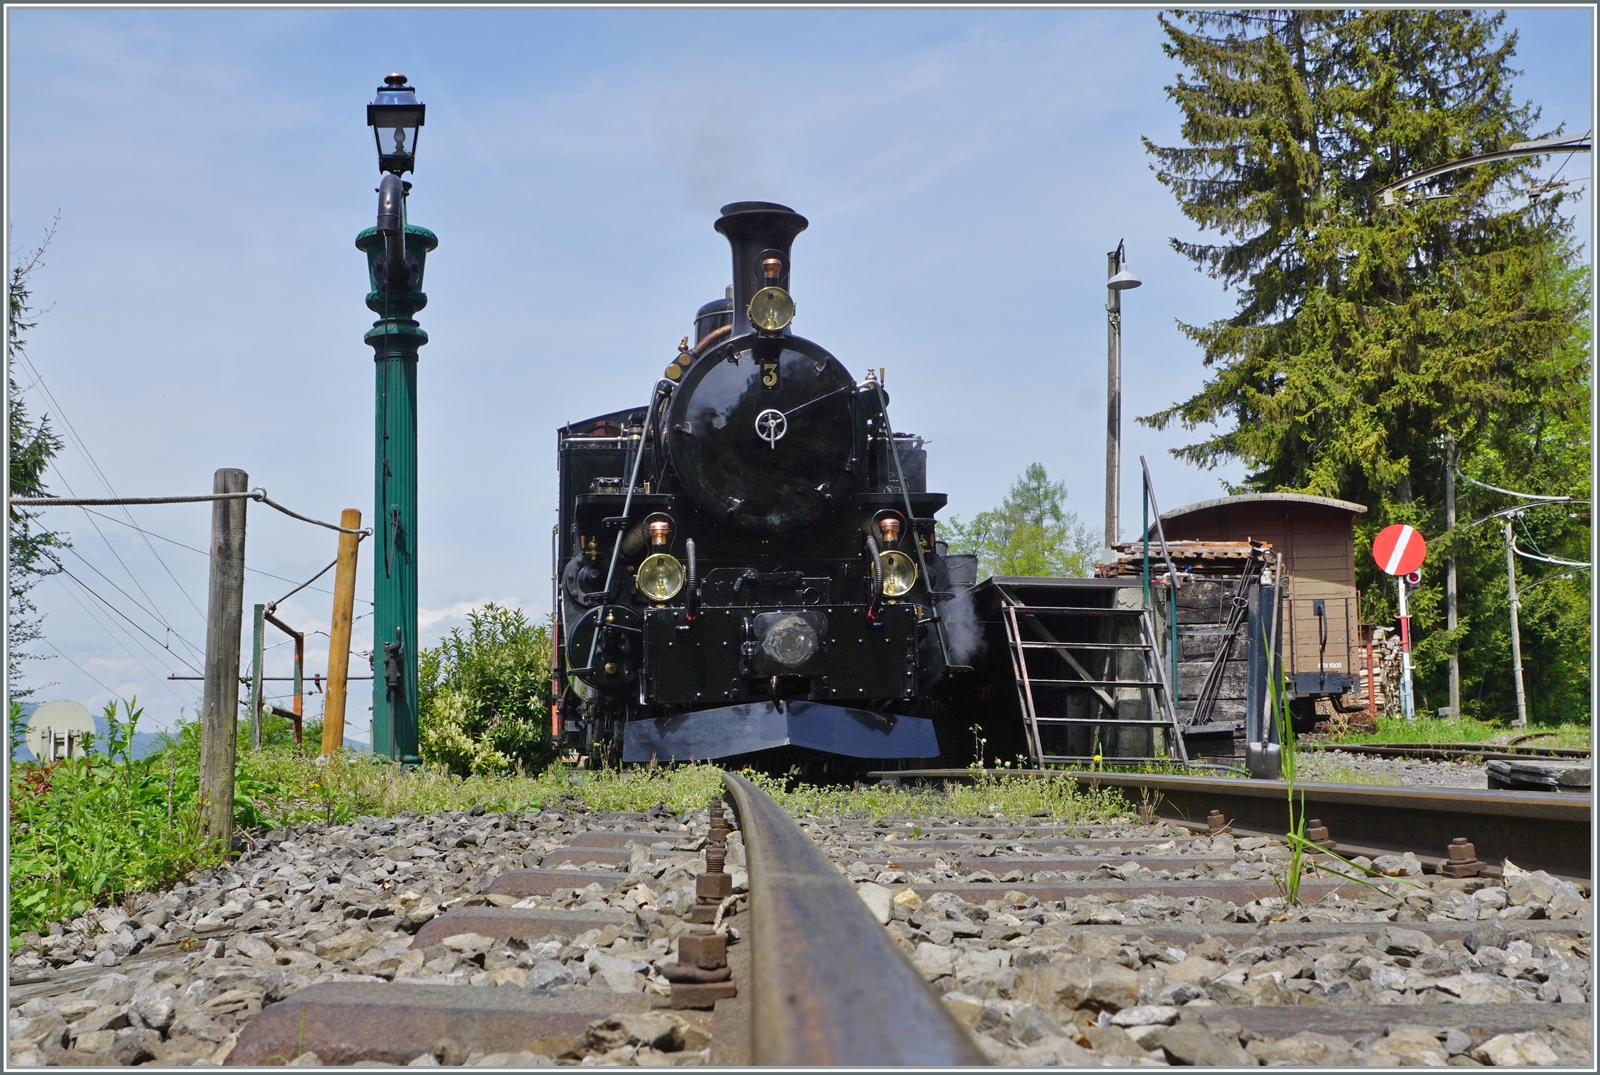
<point x="395" y="117"/>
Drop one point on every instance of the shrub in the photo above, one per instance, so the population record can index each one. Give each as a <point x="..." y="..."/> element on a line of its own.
<point x="483" y="696"/>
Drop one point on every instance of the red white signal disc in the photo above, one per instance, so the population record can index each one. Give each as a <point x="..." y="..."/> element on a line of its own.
<point x="1398" y="549"/>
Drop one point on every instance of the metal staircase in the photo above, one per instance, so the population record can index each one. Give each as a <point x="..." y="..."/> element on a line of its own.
<point x="1071" y="659"/>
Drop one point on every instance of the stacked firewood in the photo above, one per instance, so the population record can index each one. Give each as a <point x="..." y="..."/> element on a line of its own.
<point x="1207" y="558"/>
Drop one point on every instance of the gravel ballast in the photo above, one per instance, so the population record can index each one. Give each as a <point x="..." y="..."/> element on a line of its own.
<point x="1130" y="956"/>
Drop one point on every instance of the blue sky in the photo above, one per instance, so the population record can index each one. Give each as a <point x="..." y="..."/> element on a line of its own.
<point x="964" y="173"/>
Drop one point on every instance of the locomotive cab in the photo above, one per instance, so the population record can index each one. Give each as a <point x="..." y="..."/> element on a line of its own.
<point x="748" y="563"/>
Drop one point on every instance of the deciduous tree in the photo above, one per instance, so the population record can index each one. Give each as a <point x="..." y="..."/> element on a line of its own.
<point x="1030" y="533"/>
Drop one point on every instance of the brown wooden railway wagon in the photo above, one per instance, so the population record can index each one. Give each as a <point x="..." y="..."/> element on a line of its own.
<point x="1314" y="540"/>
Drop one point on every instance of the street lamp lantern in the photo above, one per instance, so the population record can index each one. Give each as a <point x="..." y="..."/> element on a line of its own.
<point x="1124" y="280"/>
<point x="394" y="116"/>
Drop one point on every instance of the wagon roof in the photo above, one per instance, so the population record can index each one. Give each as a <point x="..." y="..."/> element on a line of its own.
<point x="1261" y="498"/>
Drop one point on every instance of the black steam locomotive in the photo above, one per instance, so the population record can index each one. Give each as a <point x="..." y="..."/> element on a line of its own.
<point x="749" y="562"/>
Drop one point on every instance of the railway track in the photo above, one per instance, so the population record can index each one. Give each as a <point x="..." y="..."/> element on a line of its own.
<point x="905" y="941"/>
<point x="1541" y="831"/>
<point x="1451" y="751"/>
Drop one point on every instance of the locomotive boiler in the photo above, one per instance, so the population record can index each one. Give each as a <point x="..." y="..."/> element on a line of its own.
<point x="748" y="563"/>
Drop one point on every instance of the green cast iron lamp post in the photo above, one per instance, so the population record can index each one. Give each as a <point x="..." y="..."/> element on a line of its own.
<point x="396" y="255"/>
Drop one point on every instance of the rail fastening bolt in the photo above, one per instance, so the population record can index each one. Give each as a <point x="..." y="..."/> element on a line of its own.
<point x="1216" y="821"/>
<point x="701" y="976"/>
<point x="715" y="885"/>
<point x="1463" y="860"/>
<point x="703" y="949"/>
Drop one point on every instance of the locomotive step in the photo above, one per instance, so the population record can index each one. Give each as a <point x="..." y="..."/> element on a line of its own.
<point x="1062" y="610"/>
<point x="1102" y="683"/>
<point x="1106" y="720"/>
<point x="1081" y="645"/>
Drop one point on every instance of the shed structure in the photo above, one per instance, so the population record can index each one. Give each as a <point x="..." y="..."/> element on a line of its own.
<point x="1314" y="541"/>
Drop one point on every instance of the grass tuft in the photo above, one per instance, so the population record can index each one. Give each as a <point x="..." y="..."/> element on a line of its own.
<point x="1466" y="730"/>
<point x="93" y="831"/>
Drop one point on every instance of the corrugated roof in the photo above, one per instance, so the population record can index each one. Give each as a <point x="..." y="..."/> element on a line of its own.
<point x="1257" y="498"/>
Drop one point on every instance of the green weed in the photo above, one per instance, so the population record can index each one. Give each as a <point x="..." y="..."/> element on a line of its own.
<point x="93" y="830"/>
<point x="1300" y="847"/>
<point x="89" y="830"/>
<point x="1433" y="730"/>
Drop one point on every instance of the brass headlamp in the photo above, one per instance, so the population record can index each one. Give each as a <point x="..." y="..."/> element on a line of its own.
<point x="771" y="309"/>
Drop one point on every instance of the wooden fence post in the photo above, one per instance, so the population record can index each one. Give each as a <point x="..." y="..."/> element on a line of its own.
<point x="219" y="721"/>
<point x="344" y="596"/>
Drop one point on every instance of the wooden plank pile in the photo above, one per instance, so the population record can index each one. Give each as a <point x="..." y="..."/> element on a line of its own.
<point x="1209" y="558"/>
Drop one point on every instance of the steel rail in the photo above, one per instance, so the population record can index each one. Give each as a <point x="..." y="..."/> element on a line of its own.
<point x="828" y="985"/>
<point x="1536" y="830"/>
<point x="1451" y="751"/>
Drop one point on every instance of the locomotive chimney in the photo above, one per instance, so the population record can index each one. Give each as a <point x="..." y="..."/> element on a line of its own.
<point x="759" y="232"/>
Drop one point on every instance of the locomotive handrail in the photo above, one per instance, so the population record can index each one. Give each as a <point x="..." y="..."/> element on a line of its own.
<point x="828" y="984"/>
<point x="905" y="495"/>
<point x="877" y="580"/>
<point x="826" y="395"/>
<point x="627" y="507"/>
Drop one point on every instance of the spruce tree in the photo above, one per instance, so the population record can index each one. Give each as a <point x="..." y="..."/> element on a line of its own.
<point x="1366" y="335"/>
<point x="31" y="447"/>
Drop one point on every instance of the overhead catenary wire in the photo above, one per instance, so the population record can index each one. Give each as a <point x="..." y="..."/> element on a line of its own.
<point x="257" y="494"/>
<point x="98" y="622"/>
<point x="104" y="626"/>
<point x="159" y="616"/>
<point x="154" y="615"/>
<point x="1513" y="492"/>
<point x="202" y="552"/>
<point x="94" y="465"/>
<point x="82" y="669"/>
<point x="1525" y="554"/>
<point x="260" y="494"/>
<point x="1522" y="590"/>
<point x="125" y="616"/>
